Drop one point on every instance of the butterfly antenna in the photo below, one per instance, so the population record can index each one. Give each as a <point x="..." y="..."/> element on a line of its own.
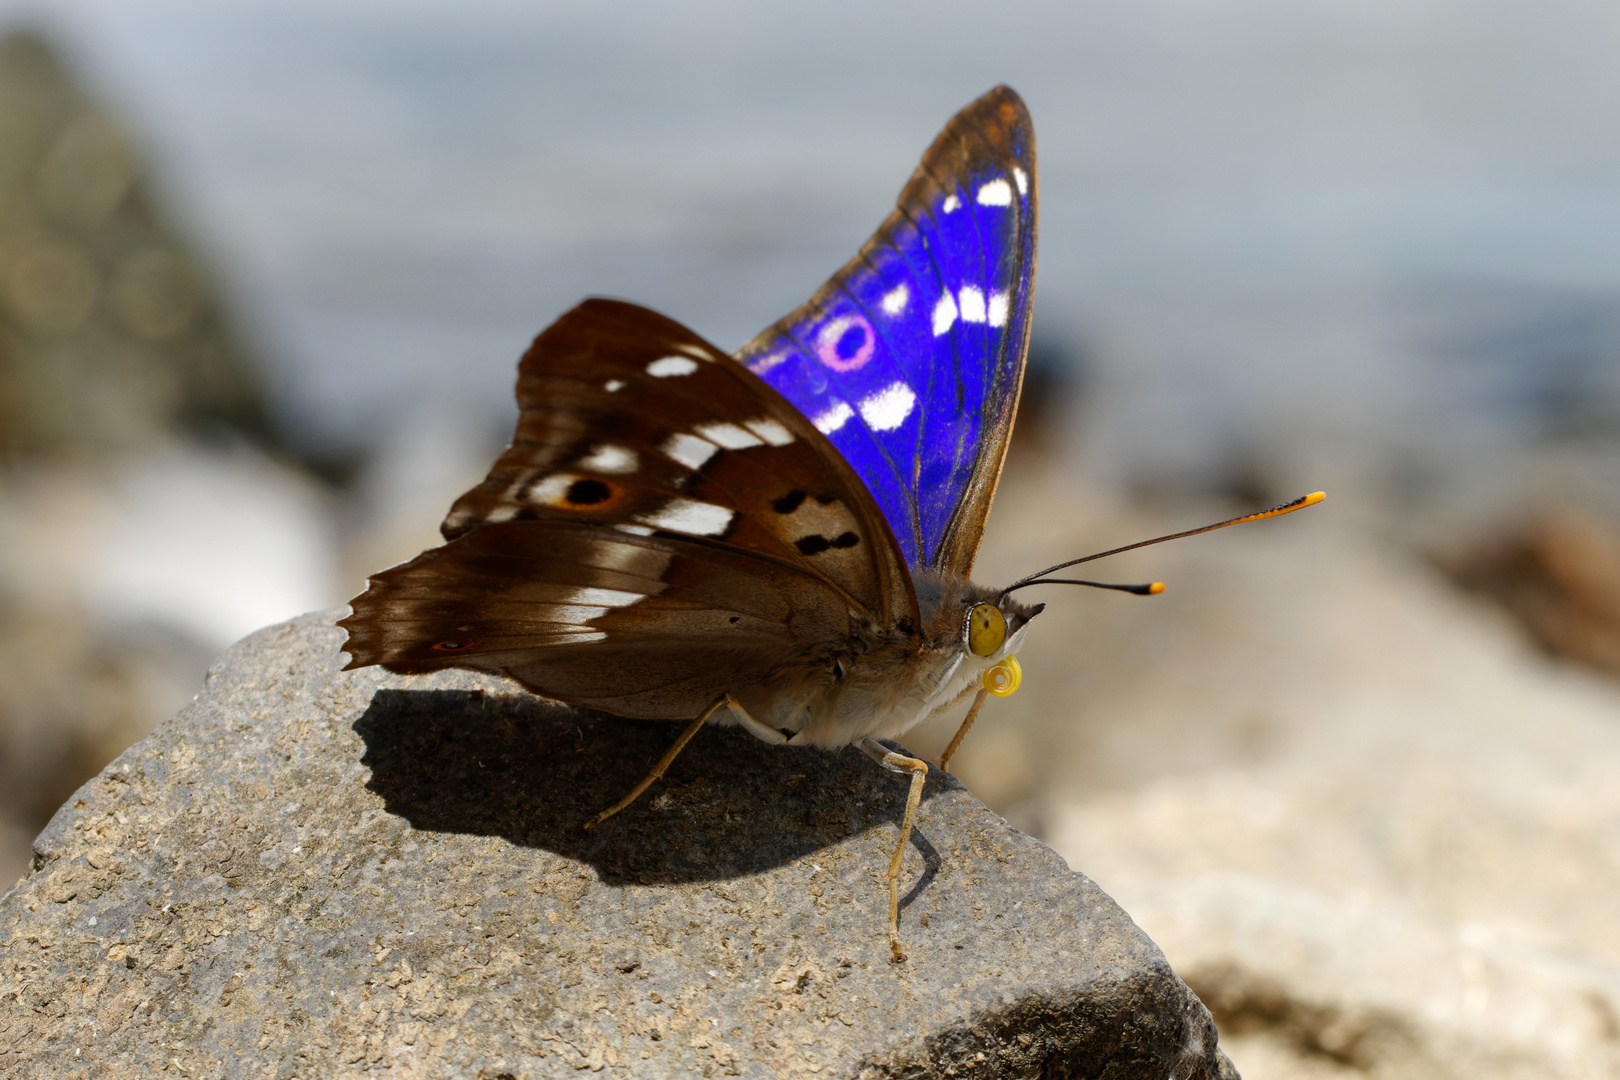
<point x="1156" y="587"/>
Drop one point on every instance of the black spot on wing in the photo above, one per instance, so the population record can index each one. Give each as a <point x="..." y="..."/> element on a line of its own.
<point x="789" y="502"/>
<point x="588" y="492"/>
<point x="816" y="543"/>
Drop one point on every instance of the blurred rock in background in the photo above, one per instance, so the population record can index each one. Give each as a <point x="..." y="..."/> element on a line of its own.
<point x="111" y="340"/>
<point x="145" y="516"/>
<point x="1558" y="573"/>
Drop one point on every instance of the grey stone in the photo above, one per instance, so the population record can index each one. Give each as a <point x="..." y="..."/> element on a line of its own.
<point x="316" y="873"/>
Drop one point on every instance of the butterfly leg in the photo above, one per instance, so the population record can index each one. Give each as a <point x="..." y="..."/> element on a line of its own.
<point x="961" y="732"/>
<point x="759" y="730"/>
<point x="658" y="769"/>
<point x="918" y="768"/>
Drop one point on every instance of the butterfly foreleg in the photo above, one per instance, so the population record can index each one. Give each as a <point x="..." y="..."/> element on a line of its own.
<point x="658" y="769"/>
<point x="759" y="730"/>
<point x="918" y="768"/>
<point x="961" y="732"/>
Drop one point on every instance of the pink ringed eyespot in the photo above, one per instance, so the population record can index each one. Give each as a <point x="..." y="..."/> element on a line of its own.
<point x="453" y="646"/>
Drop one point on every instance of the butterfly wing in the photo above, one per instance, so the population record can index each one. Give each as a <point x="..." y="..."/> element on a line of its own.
<point x="663" y="529"/>
<point x="911" y="357"/>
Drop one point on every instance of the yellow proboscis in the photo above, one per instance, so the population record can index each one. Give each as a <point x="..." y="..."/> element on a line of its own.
<point x="1002" y="678"/>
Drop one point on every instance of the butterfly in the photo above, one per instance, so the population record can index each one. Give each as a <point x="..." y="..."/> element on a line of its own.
<point x="782" y="539"/>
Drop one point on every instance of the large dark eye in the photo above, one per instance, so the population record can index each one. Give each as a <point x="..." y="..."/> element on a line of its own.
<point x="986" y="629"/>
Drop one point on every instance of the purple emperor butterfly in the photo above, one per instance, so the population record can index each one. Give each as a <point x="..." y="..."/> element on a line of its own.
<point x="780" y="540"/>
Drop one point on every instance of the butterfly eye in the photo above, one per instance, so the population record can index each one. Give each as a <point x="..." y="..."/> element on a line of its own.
<point x="986" y="629"/>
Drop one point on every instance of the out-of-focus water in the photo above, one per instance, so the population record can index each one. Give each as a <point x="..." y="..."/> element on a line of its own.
<point x="1373" y="242"/>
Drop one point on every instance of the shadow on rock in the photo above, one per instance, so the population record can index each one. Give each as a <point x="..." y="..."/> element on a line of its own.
<point x="533" y="772"/>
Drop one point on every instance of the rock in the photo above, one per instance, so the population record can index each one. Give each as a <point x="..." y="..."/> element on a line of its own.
<point x="315" y="872"/>
<point x="1558" y="573"/>
<point x="111" y="334"/>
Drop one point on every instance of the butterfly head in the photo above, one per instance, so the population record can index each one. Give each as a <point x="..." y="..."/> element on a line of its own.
<point x="993" y="626"/>
<point x="993" y="630"/>
<point x="976" y="630"/>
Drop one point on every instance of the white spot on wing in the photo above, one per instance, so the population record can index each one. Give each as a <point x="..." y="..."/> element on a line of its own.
<point x="894" y="301"/>
<point x="888" y="408"/>
<point x="770" y="430"/>
<point x="576" y="614"/>
<point x="729" y="436"/>
<point x="694" y="350"/>
<point x="550" y="490"/>
<point x="690" y="516"/>
<point x="995" y="193"/>
<point x="1021" y="179"/>
<point x="575" y="637"/>
<point x="665" y="366"/>
<point x="951" y="203"/>
<point x="603" y="598"/>
<point x="972" y="300"/>
<point x="613" y="386"/>
<point x="834" y="418"/>
<point x="998" y="308"/>
<point x="944" y="314"/>
<point x="634" y="530"/>
<point x="690" y="450"/>
<point x="503" y="512"/>
<point x="613" y="460"/>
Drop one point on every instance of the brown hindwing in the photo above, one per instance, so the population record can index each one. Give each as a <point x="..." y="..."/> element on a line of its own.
<point x="664" y="528"/>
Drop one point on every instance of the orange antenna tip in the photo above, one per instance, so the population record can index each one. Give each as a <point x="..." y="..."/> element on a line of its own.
<point x="1041" y="579"/>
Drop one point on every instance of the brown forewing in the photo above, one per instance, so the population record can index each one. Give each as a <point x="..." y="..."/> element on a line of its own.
<point x="732" y="536"/>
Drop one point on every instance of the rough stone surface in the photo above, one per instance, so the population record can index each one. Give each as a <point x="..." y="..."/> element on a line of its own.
<point x="316" y="873"/>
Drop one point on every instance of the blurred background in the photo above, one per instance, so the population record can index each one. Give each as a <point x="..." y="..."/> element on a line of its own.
<point x="266" y="268"/>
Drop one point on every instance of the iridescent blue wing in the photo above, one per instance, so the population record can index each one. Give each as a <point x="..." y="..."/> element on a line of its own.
<point x="911" y="357"/>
